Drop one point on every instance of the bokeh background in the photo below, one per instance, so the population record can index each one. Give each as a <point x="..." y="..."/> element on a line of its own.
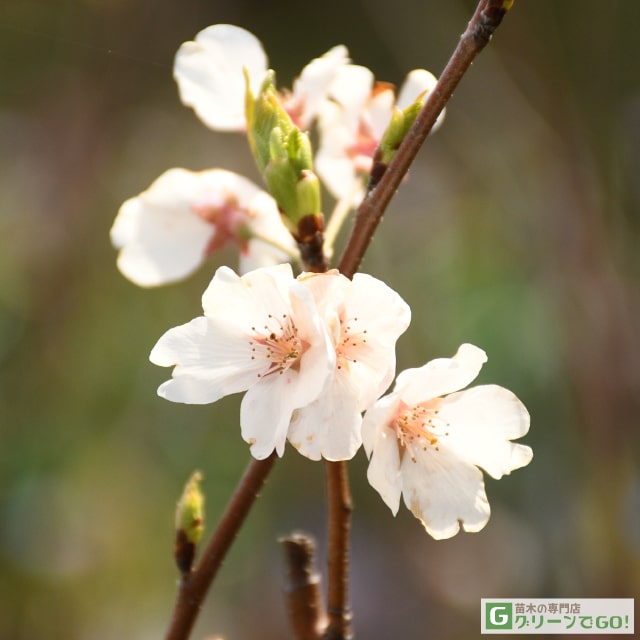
<point x="518" y="231"/>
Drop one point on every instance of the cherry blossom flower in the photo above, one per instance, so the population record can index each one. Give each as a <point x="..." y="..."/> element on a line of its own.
<point x="260" y="333"/>
<point x="353" y="120"/>
<point x="210" y="75"/>
<point x="165" y="233"/>
<point x="427" y="445"/>
<point x="364" y="318"/>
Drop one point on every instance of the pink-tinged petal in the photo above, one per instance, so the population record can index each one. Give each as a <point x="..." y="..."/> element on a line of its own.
<point x="310" y="89"/>
<point x="444" y="493"/>
<point x="483" y="421"/>
<point x="210" y="362"/>
<point x="441" y="376"/>
<point x="384" y="471"/>
<point x="210" y="74"/>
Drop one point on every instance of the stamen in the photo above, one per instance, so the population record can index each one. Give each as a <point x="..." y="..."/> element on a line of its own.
<point x="352" y="339"/>
<point x="420" y="427"/>
<point x="277" y="344"/>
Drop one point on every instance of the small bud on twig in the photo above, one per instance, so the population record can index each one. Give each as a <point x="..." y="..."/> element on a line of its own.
<point x="189" y="524"/>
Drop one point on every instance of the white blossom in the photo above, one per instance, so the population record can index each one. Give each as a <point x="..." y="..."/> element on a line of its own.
<point x="165" y="233"/>
<point x="428" y="446"/>
<point x="260" y="333"/>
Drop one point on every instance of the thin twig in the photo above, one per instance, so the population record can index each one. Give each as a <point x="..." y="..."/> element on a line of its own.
<point x="193" y="587"/>
<point x="340" y="508"/>
<point x="485" y="20"/>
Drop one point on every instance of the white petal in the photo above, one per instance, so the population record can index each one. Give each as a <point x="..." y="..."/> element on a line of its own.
<point x="379" y="110"/>
<point x="209" y="73"/>
<point x="338" y="173"/>
<point x="250" y="299"/>
<point x="159" y="237"/>
<point x="384" y="472"/>
<point x="440" y="376"/>
<point x="311" y="88"/>
<point x="267" y="223"/>
<point x="265" y="413"/>
<point x="418" y="82"/>
<point x="372" y="306"/>
<point x="378" y="416"/>
<point x="330" y="426"/>
<point x="351" y="88"/>
<point x="334" y="165"/>
<point x="482" y="422"/>
<point x="210" y="362"/>
<point x="444" y="493"/>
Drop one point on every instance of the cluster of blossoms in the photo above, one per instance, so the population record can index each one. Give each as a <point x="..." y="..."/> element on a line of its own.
<point x="165" y="233"/>
<point x="314" y="352"/>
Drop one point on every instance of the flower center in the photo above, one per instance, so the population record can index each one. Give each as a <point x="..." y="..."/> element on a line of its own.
<point x="352" y="340"/>
<point x="277" y="344"/>
<point x="228" y="218"/>
<point x="420" y="427"/>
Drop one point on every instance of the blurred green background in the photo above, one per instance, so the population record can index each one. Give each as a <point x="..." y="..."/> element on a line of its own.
<point x="518" y="231"/>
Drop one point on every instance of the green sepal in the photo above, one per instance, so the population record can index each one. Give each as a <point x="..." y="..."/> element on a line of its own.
<point x="190" y="510"/>
<point x="401" y="121"/>
<point x="283" y="154"/>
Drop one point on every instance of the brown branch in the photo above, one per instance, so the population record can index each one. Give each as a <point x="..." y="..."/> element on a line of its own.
<point x="195" y="585"/>
<point x="340" y="508"/>
<point x="302" y="588"/>
<point x="485" y="20"/>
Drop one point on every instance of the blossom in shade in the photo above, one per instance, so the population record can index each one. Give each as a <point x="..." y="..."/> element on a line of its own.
<point x="353" y="120"/>
<point x="210" y="74"/>
<point x="165" y="233"/>
<point x="427" y="441"/>
<point x="260" y="333"/>
<point x="364" y="318"/>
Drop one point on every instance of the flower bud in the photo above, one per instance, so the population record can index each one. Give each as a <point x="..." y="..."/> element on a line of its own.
<point x="283" y="154"/>
<point x="189" y="523"/>
<point x="401" y="122"/>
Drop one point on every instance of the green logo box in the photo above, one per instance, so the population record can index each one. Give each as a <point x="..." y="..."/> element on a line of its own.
<point x="498" y="615"/>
